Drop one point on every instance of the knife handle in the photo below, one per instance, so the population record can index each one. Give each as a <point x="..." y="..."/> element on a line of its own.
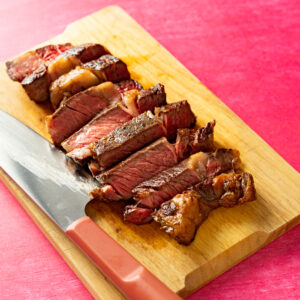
<point x="116" y="263"/>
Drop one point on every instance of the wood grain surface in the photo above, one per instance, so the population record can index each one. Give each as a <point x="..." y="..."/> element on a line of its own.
<point x="229" y="235"/>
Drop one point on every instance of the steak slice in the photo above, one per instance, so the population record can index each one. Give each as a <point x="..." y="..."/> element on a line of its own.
<point x="150" y="98"/>
<point x="176" y="115"/>
<point x="190" y="141"/>
<point x="118" y="182"/>
<point x="37" y="84"/>
<point x="105" y="68"/>
<point x="126" y="139"/>
<point x="197" y="168"/>
<point x="108" y="68"/>
<point x="137" y="215"/>
<point x="71" y="83"/>
<point x="105" y="122"/>
<point x="73" y="57"/>
<point x="79" y="109"/>
<point x="181" y="216"/>
<point x="25" y="64"/>
<point x="88" y="135"/>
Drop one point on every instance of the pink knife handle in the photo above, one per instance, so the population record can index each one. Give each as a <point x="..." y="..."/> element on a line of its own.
<point x="123" y="269"/>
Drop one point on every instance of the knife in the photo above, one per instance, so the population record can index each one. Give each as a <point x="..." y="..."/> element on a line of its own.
<point x="43" y="173"/>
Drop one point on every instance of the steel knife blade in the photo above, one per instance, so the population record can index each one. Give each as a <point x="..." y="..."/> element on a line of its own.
<point x="61" y="190"/>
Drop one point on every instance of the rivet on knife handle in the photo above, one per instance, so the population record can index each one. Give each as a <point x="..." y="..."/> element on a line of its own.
<point x="123" y="269"/>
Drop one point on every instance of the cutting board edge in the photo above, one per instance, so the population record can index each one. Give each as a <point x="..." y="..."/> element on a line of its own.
<point x="234" y="257"/>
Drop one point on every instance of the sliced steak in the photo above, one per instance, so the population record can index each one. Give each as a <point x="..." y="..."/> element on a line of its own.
<point x="105" y="68"/>
<point x="71" y="83"/>
<point x="37" y="69"/>
<point x="181" y="216"/>
<point x="150" y="98"/>
<point x="176" y="115"/>
<point x="27" y="63"/>
<point x="137" y="215"/>
<point x="105" y="122"/>
<point x="197" y="168"/>
<point x="93" y="132"/>
<point x="79" y="109"/>
<point x="73" y="57"/>
<point x="118" y="182"/>
<point x="126" y="139"/>
<point x="190" y="141"/>
<point x="108" y="68"/>
<point x="127" y="85"/>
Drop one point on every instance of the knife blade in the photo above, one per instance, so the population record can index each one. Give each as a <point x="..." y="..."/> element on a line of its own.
<point x="61" y="190"/>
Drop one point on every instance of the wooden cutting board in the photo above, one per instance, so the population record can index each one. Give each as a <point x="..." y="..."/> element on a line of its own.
<point x="229" y="235"/>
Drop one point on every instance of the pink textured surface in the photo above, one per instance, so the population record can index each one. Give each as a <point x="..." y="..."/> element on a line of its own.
<point x="247" y="53"/>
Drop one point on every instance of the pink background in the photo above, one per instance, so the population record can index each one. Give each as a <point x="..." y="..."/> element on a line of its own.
<point x="247" y="53"/>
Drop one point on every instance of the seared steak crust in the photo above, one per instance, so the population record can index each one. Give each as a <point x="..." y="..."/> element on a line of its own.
<point x="176" y="115"/>
<point x="150" y="98"/>
<point x="108" y="68"/>
<point x="227" y="190"/>
<point x="126" y="139"/>
<point x="181" y="216"/>
<point x="190" y="141"/>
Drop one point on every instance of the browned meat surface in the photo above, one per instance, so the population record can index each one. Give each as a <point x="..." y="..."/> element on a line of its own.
<point x="73" y="57"/>
<point x="181" y="216"/>
<point x="71" y="83"/>
<point x="126" y="139"/>
<point x="190" y="141"/>
<point x="127" y="85"/>
<point x="27" y="63"/>
<point x="79" y="109"/>
<point x="108" y="68"/>
<point x="93" y="131"/>
<point x="105" y="122"/>
<point x="105" y="68"/>
<point x="197" y="168"/>
<point x="37" y="69"/>
<point x="118" y="182"/>
<point x="137" y="215"/>
<point x="36" y="84"/>
<point x="150" y="98"/>
<point x="227" y="190"/>
<point x="176" y="115"/>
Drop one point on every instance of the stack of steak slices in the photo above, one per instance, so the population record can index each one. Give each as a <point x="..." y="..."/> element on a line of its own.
<point x="139" y="148"/>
